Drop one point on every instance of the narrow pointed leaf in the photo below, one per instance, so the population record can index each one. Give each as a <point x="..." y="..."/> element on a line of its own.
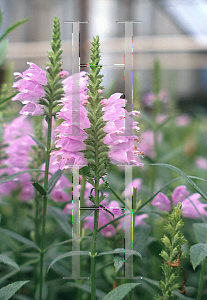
<point x="19" y="238"/>
<point x="61" y="218"/>
<point x="38" y="142"/>
<point x="184" y="176"/>
<point x="8" y="291"/>
<point x="68" y="254"/>
<point x="53" y="180"/>
<point x="121" y="250"/>
<point x="8" y="98"/>
<point x="11" y="177"/>
<point x="3" y="51"/>
<point x="12" y="27"/>
<point x="8" y="261"/>
<point x="121" y="291"/>
<point x="39" y="188"/>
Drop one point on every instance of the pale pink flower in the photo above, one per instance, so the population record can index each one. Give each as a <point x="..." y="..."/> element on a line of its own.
<point x="190" y="204"/>
<point x="70" y="132"/>
<point x="30" y="89"/>
<point x="147" y="142"/>
<point x="125" y="223"/>
<point x="149" y="98"/>
<point x="19" y="145"/>
<point x="136" y="183"/>
<point x="201" y="162"/>
<point x="182" y="120"/>
<point x="122" y="142"/>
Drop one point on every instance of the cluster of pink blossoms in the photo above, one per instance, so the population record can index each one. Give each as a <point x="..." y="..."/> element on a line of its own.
<point x="104" y="216"/>
<point x="123" y="144"/>
<point x="30" y="89"/>
<point x="71" y="132"/>
<point x="18" y="157"/>
<point x="190" y="204"/>
<point x="18" y="146"/>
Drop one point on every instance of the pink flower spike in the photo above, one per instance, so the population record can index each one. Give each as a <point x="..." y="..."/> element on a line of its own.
<point x="162" y="202"/>
<point x="32" y="109"/>
<point x="179" y="194"/>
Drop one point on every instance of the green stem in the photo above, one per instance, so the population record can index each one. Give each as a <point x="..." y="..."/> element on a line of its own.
<point x="203" y="269"/>
<point x="94" y="239"/>
<point x="45" y="198"/>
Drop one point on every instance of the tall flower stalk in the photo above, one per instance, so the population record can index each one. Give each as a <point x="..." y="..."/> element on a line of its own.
<point x="54" y="91"/>
<point x="96" y="152"/>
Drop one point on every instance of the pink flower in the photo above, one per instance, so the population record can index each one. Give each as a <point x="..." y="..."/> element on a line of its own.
<point x="162" y="202"/>
<point x="18" y="156"/>
<point x="149" y="98"/>
<point x="64" y="74"/>
<point x="70" y="132"/>
<point x="105" y="217"/>
<point x="189" y="203"/>
<point x="32" y="109"/>
<point x="125" y="224"/>
<point x="136" y="183"/>
<point x="201" y="162"/>
<point x="122" y="142"/>
<point x="147" y="142"/>
<point x="30" y="89"/>
<point x="182" y="120"/>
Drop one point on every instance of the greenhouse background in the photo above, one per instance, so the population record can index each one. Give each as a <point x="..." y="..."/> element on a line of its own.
<point x="173" y="31"/>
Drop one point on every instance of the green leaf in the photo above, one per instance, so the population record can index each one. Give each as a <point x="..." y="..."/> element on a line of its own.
<point x="11" y="177"/>
<point x="8" y="291"/>
<point x="86" y="288"/>
<point x="19" y="238"/>
<point x="12" y="27"/>
<point x="38" y="142"/>
<point x="197" y="254"/>
<point x="87" y="213"/>
<point x="8" y="261"/>
<point x="118" y="262"/>
<point x="140" y="237"/>
<point x="3" y="50"/>
<point x="71" y="253"/>
<point x="39" y="188"/>
<point x="121" y="291"/>
<point x="53" y="180"/>
<point x="61" y="218"/>
<point x="120" y="250"/>
<point x="200" y="230"/>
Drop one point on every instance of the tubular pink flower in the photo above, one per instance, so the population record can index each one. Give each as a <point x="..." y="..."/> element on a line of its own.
<point x="70" y="132"/>
<point x="136" y="183"/>
<point x="18" y="158"/>
<point x="30" y="89"/>
<point x="179" y="194"/>
<point x="162" y="202"/>
<point x="190" y="204"/>
<point x="125" y="224"/>
<point x="32" y="109"/>
<point x="123" y="144"/>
